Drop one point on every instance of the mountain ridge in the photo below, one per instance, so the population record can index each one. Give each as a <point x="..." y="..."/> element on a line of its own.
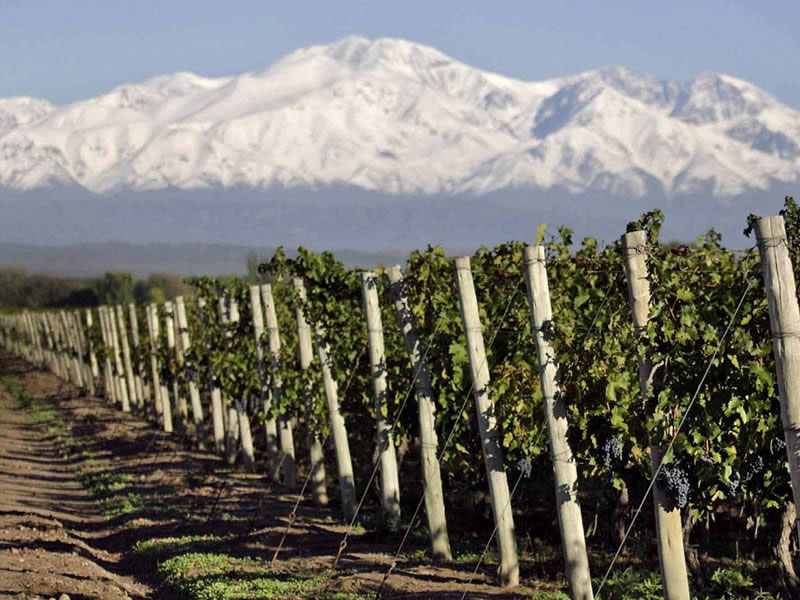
<point x="396" y="117"/>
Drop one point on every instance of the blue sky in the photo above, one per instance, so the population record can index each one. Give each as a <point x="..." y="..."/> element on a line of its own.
<point x="64" y="50"/>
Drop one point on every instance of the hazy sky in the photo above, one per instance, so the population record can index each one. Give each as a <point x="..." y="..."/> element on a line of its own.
<point x="64" y="50"/>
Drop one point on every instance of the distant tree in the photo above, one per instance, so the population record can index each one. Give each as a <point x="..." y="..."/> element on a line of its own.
<point x="115" y="288"/>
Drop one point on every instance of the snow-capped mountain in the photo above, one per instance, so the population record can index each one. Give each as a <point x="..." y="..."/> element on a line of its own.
<point x="393" y="116"/>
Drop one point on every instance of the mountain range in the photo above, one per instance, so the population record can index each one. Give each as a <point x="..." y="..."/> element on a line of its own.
<point x="381" y="146"/>
<point x="396" y="117"/>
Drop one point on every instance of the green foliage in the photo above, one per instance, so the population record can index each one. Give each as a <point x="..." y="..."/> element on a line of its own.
<point x="730" y="580"/>
<point x="333" y="309"/>
<point x="223" y="349"/>
<point x="631" y="584"/>
<point x="728" y="583"/>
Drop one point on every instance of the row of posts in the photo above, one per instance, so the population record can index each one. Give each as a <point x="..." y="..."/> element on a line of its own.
<point x="66" y="341"/>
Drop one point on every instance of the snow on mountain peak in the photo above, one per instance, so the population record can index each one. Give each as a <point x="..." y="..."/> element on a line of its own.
<point x="349" y="50"/>
<point x="397" y="116"/>
<point x="22" y="110"/>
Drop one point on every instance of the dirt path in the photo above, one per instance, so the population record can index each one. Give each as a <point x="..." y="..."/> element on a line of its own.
<point x="47" y="520"/>
<point x="54" y="539"/>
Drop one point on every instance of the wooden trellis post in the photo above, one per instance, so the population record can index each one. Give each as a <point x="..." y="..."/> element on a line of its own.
<point x="668" y="522"/>
<point x="238" y="419"/>
<point x="126" y="356"/>
<point x="108" y="374"/>
<point x="194" y="392"/>
<point x="390" y="482"/>
<point x="155" y="377"/>
<point x="217" y="420"/>
<point x="784" y="319"/>
<point x="270" y="425"/>
<point x="80" y="346"/>
<point x="134" y="321"/>
<point x="487" y="422"/>
<point x="565" y="472"/>
<point x="58" y="337"/>
<point x="71" y="349"/>
<point x="285" y="433"/>
<point x="115" y="342"/>
<point x="83" y="356"/>
<point x="319" y="492"/>
<point x="341" y="445"/>
<point x="423" y="391"/>
<point x="95" y="369"/>
<point x="163" y="393"/>
<point x="174" y="346"/>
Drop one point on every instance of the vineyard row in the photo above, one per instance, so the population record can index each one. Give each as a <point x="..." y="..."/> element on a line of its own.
<point x="674" y="370"/>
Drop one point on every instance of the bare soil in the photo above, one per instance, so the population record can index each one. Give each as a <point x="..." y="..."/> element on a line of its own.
<point x="55" y="539"/>
<point x="51" y="535"/>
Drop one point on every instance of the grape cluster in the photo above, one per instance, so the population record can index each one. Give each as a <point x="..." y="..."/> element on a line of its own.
<point x="733" y="484"/>
<point x="754" y="468"/>
<point x="612" y="453"/>
<point x="706" y="458"/>
<point x="675" y="482"/>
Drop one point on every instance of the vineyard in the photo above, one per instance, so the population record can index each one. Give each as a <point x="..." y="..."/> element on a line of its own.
<point x="620" y="404"/>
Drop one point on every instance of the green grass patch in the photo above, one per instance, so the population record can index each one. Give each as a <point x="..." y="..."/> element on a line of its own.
<point x="111" y="491"/>
<point x="157" y="550"/>
<point x="212" y="576"/>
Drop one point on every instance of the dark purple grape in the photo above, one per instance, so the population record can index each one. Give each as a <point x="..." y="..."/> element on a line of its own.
<point x="733" y="486"/>
<point x="612" y="453"/>
<point x="675" y="482"/>
<point x="754" y="468"/>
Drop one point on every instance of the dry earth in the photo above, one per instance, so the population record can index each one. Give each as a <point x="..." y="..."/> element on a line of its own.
<point x="55" y="539"/>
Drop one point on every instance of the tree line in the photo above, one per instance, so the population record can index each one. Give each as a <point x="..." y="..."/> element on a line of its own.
<point x="22" y="289"/>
